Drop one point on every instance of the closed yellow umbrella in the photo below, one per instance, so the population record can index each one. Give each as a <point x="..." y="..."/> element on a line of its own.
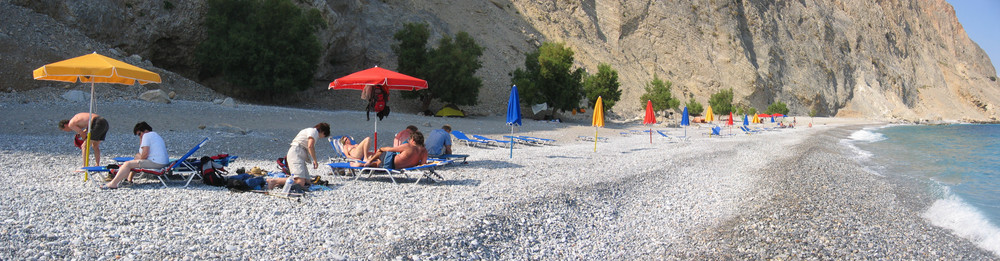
<point x="94" y="68"/>
<point x="708" y="114"/>
<point x="598" y="120"/>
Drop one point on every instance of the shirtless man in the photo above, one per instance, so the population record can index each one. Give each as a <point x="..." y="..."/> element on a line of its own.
<point x="79" y="123"/>
<point x="405" y="155"/>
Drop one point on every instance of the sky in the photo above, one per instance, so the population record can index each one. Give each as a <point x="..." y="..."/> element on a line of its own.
<point x="981" y="20"/>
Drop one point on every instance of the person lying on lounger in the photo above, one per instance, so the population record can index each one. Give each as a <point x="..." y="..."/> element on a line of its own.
<point x="356" y="151"/>
<point x="405" y="155"/>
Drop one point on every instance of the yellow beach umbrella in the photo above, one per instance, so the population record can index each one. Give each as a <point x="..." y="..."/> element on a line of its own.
<point x="708" y="114"/>
<point x="598" y="120"/>
<point x="94" y="68"/>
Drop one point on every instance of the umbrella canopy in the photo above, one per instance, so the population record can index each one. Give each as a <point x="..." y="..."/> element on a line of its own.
<point x="598" y="120"/>
<point x="745" y="120"/>
<point x="777" y="115"/>
<point x="763" y="115"/>
<point x="730" y="121"/>
<point x="513" y="115"/>
<point x="685" y="119"/>
<point x="513" y="108"/>
<point x="376" y="76"/>
<point x="772" y="118"/>
<point x="708" y="114"/>
<point x="95" y="68"/>
<point x="755" y="119"/>
<point x="650" y="116"/>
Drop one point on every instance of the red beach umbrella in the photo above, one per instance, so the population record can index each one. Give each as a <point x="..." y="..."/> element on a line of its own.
<point x="650" y="118"/>
<point x="378" y="76"/>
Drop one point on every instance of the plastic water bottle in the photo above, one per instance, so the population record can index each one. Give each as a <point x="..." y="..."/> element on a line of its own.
<point x="288" y="184"/>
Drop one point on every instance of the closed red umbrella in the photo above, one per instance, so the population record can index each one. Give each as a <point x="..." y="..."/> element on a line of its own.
<point x="378" y="76"/>
<point x="650" y="118"/>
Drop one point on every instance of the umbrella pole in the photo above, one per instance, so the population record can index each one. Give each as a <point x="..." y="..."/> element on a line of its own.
<point x="650" y="135"/>
<point x="512" y="141"/>
<point x="86" y="143"/>
<point x="376" y="135"/>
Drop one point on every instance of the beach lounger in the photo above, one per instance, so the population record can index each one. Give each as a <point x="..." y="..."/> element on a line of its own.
<point x="448" y="157"/>
<point x="505" y="143"/>
<point x="426" y="171"/>
<point x="522" y="140"/>
<point x="748" y="131"/>
<point x="540" y="140"/>
<point x="589" y="138"/>
<point x="462" y="138"/>
<point x="338" y="150"/>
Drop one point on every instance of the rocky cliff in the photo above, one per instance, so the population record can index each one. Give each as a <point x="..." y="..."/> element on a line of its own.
<point x="904" y="59"/>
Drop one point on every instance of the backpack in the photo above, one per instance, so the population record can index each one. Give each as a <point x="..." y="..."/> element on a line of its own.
<point x="211" y="172"/>
<point x="377" y="100"/>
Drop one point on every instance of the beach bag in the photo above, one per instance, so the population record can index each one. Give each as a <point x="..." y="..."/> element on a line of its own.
<point x="211" y="173"/>
<point x="377" y="101"/>
<point x="237" y="185"/>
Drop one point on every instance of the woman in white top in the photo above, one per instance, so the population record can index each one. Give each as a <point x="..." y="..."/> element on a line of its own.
<point x="301" y="153"/>
<point x="152" y="154"/>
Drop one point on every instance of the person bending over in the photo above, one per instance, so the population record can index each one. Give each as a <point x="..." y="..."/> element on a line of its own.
<point x="152" y="155"/>
<point x="98" y="126"/>
<point x="301" y="153"/>
<point x="406" y="155"/>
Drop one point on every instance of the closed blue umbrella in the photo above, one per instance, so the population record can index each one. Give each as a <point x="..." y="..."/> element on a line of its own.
<point x="513" y="115"/>
<point x="685" y="120"/>
<point x="746" y="120"/>
<point x="772" y="118"/>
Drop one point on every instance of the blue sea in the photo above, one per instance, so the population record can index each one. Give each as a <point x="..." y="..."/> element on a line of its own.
<point x="960" y="164"/>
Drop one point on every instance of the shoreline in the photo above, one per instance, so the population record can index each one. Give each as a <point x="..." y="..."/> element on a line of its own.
<point x="782" y="194"/>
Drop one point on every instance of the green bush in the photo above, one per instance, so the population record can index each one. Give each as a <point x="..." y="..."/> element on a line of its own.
<point x="694" y="108"/>
<point x="658" y="91"/>
<point x="722" y="102"/>
<point x="777" y="107"/>
<point x="266" y="49"/>
<point x="548" y="78"/>
<point x="604" y="84"/>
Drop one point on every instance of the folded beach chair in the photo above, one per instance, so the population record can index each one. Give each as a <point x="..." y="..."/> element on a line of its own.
<point x="505" y="143"/>
<point x="589" y="138"/>
<point x="461" y="137"/>
<point x="426" y="171"/>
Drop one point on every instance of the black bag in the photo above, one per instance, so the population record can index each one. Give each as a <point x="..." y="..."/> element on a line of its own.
<point x="237" y="185"/>
<point x="211" y="173"/>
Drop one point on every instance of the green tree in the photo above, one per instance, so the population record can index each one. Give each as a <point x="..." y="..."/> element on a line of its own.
<point x="264" y="48"/>
<point x="548" y="78"/>
<point x="777" y="107"/>
<point x="604" y="84"/>
<point x="694" y="108"/>
<point x="411" y="49"/>
<point x="658" y="91"/>
<point x="449" y="69"/>
<point x="722" y="102"/>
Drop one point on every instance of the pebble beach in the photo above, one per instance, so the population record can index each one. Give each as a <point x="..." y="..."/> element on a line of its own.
<point x="786" y="194"/>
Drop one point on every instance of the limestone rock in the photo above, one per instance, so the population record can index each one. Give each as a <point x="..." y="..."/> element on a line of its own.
<point x="229" y="102"/>
<point x="157" y="96"/>
<point x="172" y="95"/>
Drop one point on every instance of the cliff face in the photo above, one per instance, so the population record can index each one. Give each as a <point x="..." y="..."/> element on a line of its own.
<point x="905" y="59"/>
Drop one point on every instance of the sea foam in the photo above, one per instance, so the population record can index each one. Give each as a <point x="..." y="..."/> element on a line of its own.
<point x="954" y="214"/>
<point x="867" y="135"/>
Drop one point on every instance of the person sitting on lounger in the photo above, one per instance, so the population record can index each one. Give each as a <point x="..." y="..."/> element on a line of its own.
<point x="439" y="141"/>
<point x="356" y="151"/>
<point x="152" y="155"/>
<point x="406" y="155"/>
<point x="404" y="135"/>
